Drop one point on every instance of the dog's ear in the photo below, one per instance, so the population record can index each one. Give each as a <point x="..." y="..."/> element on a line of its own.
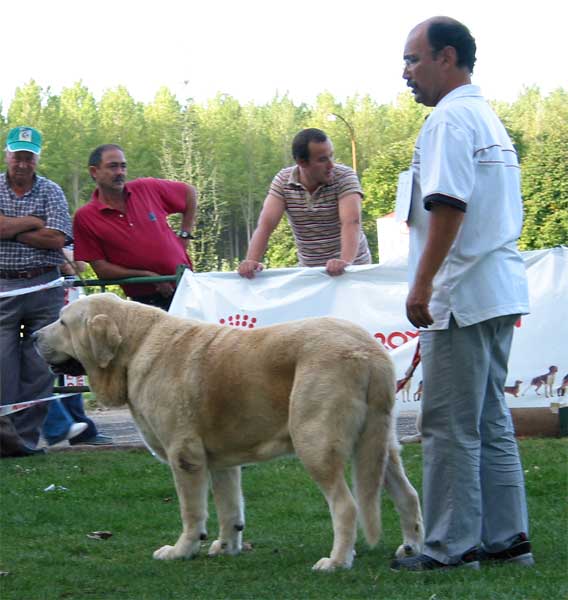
<point x="104" y="338"/>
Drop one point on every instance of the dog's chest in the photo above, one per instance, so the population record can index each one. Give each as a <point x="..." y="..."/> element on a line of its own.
<point x="147" y="433"/>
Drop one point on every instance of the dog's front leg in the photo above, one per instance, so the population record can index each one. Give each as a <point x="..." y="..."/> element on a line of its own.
<point x="191" y="480"/>
<point x="228" y="496"/>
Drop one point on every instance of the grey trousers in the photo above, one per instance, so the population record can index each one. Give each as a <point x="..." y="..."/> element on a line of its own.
<point x="24" y="375"/>
<point x="473" y="489"/>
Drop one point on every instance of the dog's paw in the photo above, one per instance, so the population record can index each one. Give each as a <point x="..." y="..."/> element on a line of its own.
<point x="405" y="550"/>
<point x="184" y="550"/>
<point x="218" y="548"/>
<point x="166" y="553"/>
<point x="328" y="565"/>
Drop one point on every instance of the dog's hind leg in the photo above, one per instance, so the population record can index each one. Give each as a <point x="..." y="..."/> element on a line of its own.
<point x="407" y="504"/>
<point x="228" y="496"/>
<point x="322" y="433"/>
<point x="326" y="466"/>
<point x="191" y="478"/>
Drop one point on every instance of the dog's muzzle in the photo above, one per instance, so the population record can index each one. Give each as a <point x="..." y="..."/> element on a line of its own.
<point x="69" y="367"/>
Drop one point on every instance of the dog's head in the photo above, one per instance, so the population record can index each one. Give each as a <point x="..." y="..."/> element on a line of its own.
<point x="84" y="338"/>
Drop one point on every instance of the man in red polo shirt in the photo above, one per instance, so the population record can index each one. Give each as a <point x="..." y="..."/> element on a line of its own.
<point x="123" y="231"/>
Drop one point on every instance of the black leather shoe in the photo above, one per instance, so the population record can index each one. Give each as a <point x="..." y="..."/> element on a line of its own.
<point x="422" y="562"/>
<point x="22" y="452"/>
<point x="519" y="553"/>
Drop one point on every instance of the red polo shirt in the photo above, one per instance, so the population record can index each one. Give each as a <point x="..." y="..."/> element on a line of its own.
<point x="139" y="238"/>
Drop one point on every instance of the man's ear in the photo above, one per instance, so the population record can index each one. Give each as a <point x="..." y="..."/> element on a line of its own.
<point x="104" y="338"/>
<point x="449" y="55"/>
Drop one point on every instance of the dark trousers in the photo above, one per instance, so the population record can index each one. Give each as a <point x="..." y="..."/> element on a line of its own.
<point x="24" y="375"/>
<point x="154" y="300"/>
<point x="10" y="441"/>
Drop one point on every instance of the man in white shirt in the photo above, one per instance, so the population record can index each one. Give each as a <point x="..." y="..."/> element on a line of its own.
<point x="468" y="288"/>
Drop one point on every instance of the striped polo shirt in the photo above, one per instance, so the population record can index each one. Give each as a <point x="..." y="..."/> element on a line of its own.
<point x="314" y="218"/>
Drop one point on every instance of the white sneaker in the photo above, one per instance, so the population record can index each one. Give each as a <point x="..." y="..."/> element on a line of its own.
<point x="75" y="430"/>
<point x="72" y="432"/>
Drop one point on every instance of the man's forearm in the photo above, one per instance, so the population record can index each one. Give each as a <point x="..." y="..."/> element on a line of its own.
<point x="188" y="216"/>
<point x="44" y="238"/>
<point x="349" y="241"/>
<point x="10" y="227"/>
<point x="258" y="244"/>
<point x="108" y="270"/>
<point x="445" y="223"/>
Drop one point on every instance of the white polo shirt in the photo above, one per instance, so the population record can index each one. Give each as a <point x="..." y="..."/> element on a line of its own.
<point x="464" y="152"/>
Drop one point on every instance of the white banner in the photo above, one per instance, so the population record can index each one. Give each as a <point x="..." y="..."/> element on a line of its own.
<point x="373" y="296"/>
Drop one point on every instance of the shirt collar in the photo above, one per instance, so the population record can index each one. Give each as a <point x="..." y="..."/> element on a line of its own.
<point x="6" y="180"/>
<point x="98" y="203"/>
<point x="294" y="179"/>
<point x="461" y="91"/>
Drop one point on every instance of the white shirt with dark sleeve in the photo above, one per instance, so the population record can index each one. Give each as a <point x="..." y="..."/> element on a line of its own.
<point x="464" y="154"/>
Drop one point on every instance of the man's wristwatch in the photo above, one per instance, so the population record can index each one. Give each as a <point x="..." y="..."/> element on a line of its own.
<point x="185" y="235"/>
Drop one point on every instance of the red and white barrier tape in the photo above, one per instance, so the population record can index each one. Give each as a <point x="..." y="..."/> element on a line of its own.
<point x="32" y="288"/>
<point x="8" y="409"/>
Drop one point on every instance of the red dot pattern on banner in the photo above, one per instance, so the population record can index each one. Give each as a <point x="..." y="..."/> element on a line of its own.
<point x="239" y="321"/>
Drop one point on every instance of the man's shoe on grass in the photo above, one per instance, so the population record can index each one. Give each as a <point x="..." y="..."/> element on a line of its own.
<point x="519" y="553"/>
<point x="97" y="440"/>
<point x="73" y="431"/>
<point x="423" y="563"/>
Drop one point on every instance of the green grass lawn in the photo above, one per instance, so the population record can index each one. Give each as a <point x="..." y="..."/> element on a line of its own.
<point x="45" y="552"/>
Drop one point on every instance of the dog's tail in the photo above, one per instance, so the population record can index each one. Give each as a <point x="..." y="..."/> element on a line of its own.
<point x="371" y="450"/>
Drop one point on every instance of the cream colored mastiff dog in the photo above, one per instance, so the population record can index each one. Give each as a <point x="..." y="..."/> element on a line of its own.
<point x="209" y="398"/>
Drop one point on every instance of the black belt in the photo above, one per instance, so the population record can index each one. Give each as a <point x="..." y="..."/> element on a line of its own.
<point x="27" y="274"/>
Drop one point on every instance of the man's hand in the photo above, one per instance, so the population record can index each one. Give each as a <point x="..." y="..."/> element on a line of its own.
<point x="417" y="302"/>
<point x="336" y="266"/>
<point x="249" y="268"/>
<point x="165" y="289"/>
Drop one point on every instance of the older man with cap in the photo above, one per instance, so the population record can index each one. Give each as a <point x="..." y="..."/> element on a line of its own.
<point x="34" y="226"/>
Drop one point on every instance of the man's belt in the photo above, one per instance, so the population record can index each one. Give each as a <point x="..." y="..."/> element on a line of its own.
<point x="30" y="274"/>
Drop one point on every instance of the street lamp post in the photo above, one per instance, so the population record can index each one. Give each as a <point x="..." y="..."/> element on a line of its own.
<point x="333" y="117"/>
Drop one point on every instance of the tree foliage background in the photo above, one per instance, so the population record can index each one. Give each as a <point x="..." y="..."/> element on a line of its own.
<point x="231" y="152"/>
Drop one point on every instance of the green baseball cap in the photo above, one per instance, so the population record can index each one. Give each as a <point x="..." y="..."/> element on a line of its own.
<point x="24" y="138"/>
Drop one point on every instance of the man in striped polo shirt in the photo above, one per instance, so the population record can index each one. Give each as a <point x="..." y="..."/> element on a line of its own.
<point x="322" y="201"/>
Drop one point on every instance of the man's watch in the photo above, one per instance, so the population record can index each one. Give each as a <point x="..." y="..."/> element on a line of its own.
<point x="185" y="235"/>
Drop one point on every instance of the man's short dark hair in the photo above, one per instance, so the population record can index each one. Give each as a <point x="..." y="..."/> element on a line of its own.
<point x="97" y="154"/>
<point x="300" y="150"/>
<point x="444" y="32"/>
